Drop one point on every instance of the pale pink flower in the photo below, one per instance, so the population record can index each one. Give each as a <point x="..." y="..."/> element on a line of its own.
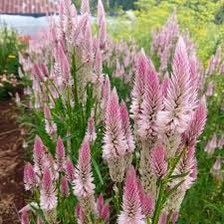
<point x="164" y="40"/>
<point x="215" y="62"/>
<point x="29" y="178"/>
<point x="48" y="199"/>
<point x="83" y="184"/>
<point x="60" y="154"/>
<point x="216" y="170"/>
<point x="187" y="166"/>
<point x="151" y="105"/>
<point x="101" y="20"/>
<point x="37" y="72"/>
<point x="221" y="141"/>
<point x="91" y="131"/>
<point x="211" y="145"/>
<point x="103" y="209"/>
<point x="158" y="161"/>
<point x="64" y="187"/>
<point x="81" y="24"/>
<point x="50" y="126"/>
<point x="87" y="43"/>
<point x="142" y="65"/>
<point x="85" y="7"/>
<point x="177" y="105"/>
<point x="64" y="63"/>
<point x="210" y="89"/>
<point x="131" y="206"/>
<point x="98" y="62"/>
<point x="196" y="126"/>
<point x="115" y="144"/>
<point x="106" y="89"/>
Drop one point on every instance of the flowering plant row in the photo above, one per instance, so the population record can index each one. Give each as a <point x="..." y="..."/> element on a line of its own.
<point x="146" y="156"/>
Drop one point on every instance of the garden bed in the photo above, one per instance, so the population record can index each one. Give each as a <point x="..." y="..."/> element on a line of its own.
<point x="12" y="193"/>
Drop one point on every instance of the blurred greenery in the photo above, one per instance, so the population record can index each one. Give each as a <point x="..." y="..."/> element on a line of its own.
<point x="203" y="19"/>
<point x="204" y="201"/>
<point x="10" y="45"/>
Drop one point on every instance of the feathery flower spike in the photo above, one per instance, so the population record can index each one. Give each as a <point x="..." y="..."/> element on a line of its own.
<point x="30" y="179"/>
<point x="131" y="206"/>
<point x="48" y="199"/>
<point x="60" y="154"/>
<point x="158" y="161"/>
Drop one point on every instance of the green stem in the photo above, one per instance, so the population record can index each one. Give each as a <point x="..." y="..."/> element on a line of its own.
<point x="159" y="203"/>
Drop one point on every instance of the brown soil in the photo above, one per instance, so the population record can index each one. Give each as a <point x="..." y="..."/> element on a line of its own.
<point x="11" y="165"/>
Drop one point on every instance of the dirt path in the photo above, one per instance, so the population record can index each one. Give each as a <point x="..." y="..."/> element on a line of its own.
<point x="11" y="165"/>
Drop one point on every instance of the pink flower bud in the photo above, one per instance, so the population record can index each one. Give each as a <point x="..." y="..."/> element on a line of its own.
<point x="25" y="218"/>
<point x="64" y="186"/>
<point x="30" y="179"/>
<point x="48" y="199"/>
<point x="103" y="209"/>
<point x="131" y="206"/>
<point x="158" y="161"/>
<point x="69" y="170"/>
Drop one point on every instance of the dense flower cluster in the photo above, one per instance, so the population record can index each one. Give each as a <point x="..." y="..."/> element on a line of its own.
<point x="155" y="159"/>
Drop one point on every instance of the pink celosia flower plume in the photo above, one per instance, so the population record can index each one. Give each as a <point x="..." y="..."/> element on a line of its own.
<point x="61" y="69"/>
<point x="131" y="206"/>
<point x="88" y="43"/>
<point x="147" y="201"/>
<point x="151" y="104"/>
<point x="69" y="170"/>
<point x="178" y="105"/>
<point x="211" y="145"/>
<point x="81" y="218"/>
<point x="101" y="20"/>
<point x="114" y="130"/>
<point x="164" y="41"/>
<point x="158" y="161"/>
<point x="103" y="209"/>
<point x="85" y="7"/>
<point x="216" y="63"/>
<point x="83" y="184"/>
<point x="50" y="126"/>
<point x="38" y="154"/>
<point x="142" y="65"/>
<point x="64" y="187"/>
<point x="106" y="89"/>
<point x="91" y="131"/>
<point x="216" y="170"/>
<point x="60" y="154"/>
<point x="196" y="126"/>
<point x="37" y="72"/>
<point x="98" y="62"/>
<point x="115" y="143"/>
<point x="176" y="113"/>
<point x="48" y="199"/>
<point x="29" y="178"/>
